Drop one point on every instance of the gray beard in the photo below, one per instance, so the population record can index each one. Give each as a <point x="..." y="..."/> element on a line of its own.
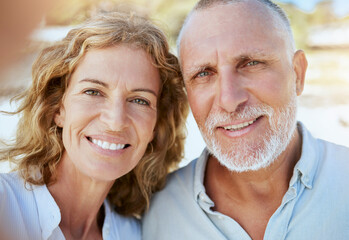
<point x="261" y="153"/>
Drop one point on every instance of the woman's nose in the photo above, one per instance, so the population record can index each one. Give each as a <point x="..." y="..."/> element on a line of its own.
<point x="115" y="115"/>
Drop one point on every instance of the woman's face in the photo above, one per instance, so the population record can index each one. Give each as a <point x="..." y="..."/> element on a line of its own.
<point x="109" y="111"/>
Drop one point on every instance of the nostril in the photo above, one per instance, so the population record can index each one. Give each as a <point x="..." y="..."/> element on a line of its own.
<point x="115" y="120"/>
<point x="231" y="99"/>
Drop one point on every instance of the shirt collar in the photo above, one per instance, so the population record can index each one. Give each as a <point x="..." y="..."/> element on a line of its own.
<point x="48" y="210"/>
<point x="304" y="170"/>
<point x="307" y="165"/>
<point x="107" y="225"/>
<point x="50" y="215"/>
<point x="199" y="173"/>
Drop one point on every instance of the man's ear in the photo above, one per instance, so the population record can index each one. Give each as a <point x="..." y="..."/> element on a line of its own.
<point x="300" y="65"/>
<point x="59" y="117"/>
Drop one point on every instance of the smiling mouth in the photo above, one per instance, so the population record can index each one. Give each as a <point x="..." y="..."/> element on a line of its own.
<point x="239" y="126"/>
<point x="107" y="145"/>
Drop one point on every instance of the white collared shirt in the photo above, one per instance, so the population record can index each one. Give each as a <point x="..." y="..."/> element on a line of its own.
<point x="30" y="212"/>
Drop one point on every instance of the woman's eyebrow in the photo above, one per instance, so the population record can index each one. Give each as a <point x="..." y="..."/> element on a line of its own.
<point x="144" y="90"/>
<point x="95" y="81"/>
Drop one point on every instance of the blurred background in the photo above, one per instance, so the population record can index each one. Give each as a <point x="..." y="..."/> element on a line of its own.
<point x="321" y="28"/>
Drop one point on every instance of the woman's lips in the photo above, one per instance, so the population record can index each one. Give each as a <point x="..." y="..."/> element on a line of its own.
<point x="107" y="145"/>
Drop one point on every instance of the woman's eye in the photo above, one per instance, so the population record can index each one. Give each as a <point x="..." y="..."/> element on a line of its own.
<point x="252" y="63"/>
<point x="140" y="101"/>
<point x="92" y="92"/>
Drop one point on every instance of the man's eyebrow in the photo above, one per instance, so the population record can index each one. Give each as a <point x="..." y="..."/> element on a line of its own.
<point x="95" y="81"/>
<point x="256" y="54"/>
<point x="191" y="71"/>
<point x="144" y="90"/>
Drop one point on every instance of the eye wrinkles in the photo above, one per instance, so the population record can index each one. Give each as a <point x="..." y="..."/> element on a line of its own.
<point x="255" y="60"/>
<point x="198" y="72"/>
<point x="100" y="89"/>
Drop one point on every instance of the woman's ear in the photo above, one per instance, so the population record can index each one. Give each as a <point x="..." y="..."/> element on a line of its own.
<point x="300" y="65"/>
<point x="59" y="117"/>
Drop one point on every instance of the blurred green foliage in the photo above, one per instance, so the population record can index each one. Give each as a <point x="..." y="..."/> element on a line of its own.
<point x="170" y="14"/>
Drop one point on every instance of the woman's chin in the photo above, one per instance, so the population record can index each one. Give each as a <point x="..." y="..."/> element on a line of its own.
<point x="106" y="173"/>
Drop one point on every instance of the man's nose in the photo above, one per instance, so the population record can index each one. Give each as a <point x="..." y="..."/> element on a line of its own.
<point x="231" y="90"/>
<point x="115" y="115"/>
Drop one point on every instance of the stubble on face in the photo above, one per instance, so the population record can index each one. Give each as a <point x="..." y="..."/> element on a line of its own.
<point x="244" y="154"/>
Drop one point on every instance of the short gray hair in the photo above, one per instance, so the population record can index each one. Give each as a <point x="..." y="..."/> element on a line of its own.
<point x="278" y="12"/>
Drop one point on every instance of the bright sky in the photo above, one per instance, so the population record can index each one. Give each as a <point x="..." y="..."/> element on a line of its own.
<point x="340" y="7"/>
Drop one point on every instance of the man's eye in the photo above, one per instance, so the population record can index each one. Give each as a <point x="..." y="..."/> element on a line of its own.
<point x="252" y="63"/>
<point x="203" y="74"/>
<point x="92" y="92"/>
<point x="140" y="101"/>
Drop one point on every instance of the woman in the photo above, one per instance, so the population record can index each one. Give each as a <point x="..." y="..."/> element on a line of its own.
<point x="103" y="119"/>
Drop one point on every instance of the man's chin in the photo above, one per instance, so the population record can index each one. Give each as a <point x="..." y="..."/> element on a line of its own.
<point x="242" y="162"/>
<point x="240" y="167"/>
<point x="249" y="155"/>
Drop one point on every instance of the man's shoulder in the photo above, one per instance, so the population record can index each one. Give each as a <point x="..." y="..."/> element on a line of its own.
<point x="170" y="206"/>
<point x="180" y="181"/>
<point x="178" y="193"/>
<point x="329" y="169"/>
<point x="334" y="151"/>
<point x="126" y="227"/>
<point x="174" y="212"/>
<point x="184" y="173"/>
<point x="334" y="158"/>
<point x="324" y="150"/>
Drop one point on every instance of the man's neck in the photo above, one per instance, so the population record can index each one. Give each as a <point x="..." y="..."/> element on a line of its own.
<point x="252" y="197"/>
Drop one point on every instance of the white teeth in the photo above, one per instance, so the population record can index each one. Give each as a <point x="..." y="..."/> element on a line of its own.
<point x="107" y="145"/>
<point x="239" y="126"/>
<point x="113" y="146"/>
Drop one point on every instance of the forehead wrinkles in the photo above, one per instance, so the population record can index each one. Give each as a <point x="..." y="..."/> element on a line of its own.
<point x="236" y="16"/>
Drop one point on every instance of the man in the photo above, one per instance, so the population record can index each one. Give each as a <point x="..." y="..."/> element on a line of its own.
<point x="262" y="176"/>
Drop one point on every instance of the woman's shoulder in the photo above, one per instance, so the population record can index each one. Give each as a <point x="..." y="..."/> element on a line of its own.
<point x="125" y="227"/>
<point x="11" y="181"/>
<point x="18" y="207"/>
<point x="14" y="191"/>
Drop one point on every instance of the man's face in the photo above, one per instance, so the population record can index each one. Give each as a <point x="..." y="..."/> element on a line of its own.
<point x="241" y="83"/>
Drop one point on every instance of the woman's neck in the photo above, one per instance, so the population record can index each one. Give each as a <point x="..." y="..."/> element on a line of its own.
<point x="79" y="198"/>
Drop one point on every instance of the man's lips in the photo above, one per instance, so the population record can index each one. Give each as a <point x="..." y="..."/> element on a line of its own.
<point x="108" y="145"/>
<point x="239" y="126"/>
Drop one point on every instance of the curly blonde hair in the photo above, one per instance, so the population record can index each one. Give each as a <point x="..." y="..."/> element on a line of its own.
<point x="38" y="143"/>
